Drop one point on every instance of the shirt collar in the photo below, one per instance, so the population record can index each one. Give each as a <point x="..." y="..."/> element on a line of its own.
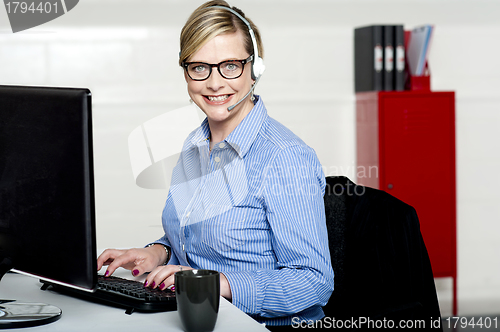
<point x="243" y="136"/>
<point x="202" y="134"/>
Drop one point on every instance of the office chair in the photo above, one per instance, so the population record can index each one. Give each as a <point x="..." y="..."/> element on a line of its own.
<point x="382" y="269"/>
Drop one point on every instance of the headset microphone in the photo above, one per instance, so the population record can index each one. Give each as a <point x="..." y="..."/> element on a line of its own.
<point x="230" y="108"/>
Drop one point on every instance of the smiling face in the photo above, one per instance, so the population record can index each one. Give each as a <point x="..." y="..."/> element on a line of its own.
<point x="215" y="94"/>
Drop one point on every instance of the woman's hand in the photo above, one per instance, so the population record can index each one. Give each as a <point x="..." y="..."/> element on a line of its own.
<point x="225" y="288"/>
<point x="138" y="260"/>
<point x="163" y="277"/>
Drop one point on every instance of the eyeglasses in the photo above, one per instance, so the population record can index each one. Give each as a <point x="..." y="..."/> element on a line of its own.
<point x="231" y="69"/>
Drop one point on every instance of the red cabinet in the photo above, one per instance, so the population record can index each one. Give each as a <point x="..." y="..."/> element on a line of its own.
<point x="406" y="146"/>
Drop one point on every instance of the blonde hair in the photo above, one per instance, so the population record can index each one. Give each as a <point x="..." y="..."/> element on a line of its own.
<point x="206" y="23"/>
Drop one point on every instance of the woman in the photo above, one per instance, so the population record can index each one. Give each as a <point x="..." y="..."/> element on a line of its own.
<point x="246" y="195"/>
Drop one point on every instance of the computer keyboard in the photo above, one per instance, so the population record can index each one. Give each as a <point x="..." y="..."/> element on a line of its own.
<point x="128" y="294"/>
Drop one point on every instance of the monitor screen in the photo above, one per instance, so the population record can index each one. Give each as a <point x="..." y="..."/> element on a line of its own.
<point x="47" y="218"/>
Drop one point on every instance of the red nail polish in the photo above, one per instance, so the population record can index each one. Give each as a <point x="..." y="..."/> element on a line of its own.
<point x="135" y="272"/>
<point x="146" y="283"/>
<point x="153" y="285"/>
<point x="106" y="274"/>
<point x="162" y="285"/>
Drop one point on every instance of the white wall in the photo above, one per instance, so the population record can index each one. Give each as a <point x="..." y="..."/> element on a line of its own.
<point x="126" y="53"/>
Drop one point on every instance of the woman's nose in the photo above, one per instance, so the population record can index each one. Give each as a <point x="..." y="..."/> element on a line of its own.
<point x="215" y="81"/>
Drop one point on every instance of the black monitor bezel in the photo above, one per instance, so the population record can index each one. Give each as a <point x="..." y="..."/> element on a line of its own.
<point x="85" y="277"/>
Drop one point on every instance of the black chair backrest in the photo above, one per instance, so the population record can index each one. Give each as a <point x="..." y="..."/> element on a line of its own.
<point x="336" y="224"/>
<point x="379" y="258"/>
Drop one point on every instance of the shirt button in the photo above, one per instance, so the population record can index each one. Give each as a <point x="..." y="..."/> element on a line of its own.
<point x="222" y="145"/>
<point x="217" y="159"/>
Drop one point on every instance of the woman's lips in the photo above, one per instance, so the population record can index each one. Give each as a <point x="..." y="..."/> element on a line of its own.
<point x="218" y="100"/>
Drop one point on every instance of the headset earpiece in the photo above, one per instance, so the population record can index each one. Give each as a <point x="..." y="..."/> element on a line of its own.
<point x="258" y="68"/>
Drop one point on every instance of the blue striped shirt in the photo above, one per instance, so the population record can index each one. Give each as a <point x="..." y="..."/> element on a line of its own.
<point x="252" y="208"/>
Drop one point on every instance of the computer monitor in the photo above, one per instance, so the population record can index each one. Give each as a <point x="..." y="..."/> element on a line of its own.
<point x="47" y="218"/>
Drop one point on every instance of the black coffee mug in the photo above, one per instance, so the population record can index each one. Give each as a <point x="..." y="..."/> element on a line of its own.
<point x="197" y="293"/>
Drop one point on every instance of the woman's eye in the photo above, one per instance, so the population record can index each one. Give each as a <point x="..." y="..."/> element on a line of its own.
<point x="231" y="66"/>
<point x="199" y="68"/>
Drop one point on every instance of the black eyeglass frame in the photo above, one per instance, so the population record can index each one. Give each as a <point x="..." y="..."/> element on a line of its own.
<point x="211" y="65"/>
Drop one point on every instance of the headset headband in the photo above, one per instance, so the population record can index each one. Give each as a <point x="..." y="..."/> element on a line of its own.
<point x="257" y="62"/>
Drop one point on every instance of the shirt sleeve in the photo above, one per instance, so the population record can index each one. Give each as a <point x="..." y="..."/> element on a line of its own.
<point x="293" y="189"/>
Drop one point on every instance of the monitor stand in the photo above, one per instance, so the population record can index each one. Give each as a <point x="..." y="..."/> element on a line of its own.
<point x="15" y="314"/>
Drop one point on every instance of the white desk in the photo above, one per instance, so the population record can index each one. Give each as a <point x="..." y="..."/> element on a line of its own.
<point x="81" y="315"/>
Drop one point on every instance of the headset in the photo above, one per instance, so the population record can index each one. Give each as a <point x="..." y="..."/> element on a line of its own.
<point x="258" y="66"/>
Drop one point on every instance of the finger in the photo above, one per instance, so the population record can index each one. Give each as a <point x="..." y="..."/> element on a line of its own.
<point x="127" y="260"/>
<point x="102" y="259"/>
<point x="168" y="282"/>
<point x="143" y="262"/>
<point x="157" y="277"/>
<point x="168" y="279"/>
<point x="107" y="257"/>
<point x="151" y="280"/>
<point x="140" y="269"/>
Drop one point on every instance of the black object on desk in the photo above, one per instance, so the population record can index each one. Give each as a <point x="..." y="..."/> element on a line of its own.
<point x="124" y="293"/>
<point x="198" y="295"/>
